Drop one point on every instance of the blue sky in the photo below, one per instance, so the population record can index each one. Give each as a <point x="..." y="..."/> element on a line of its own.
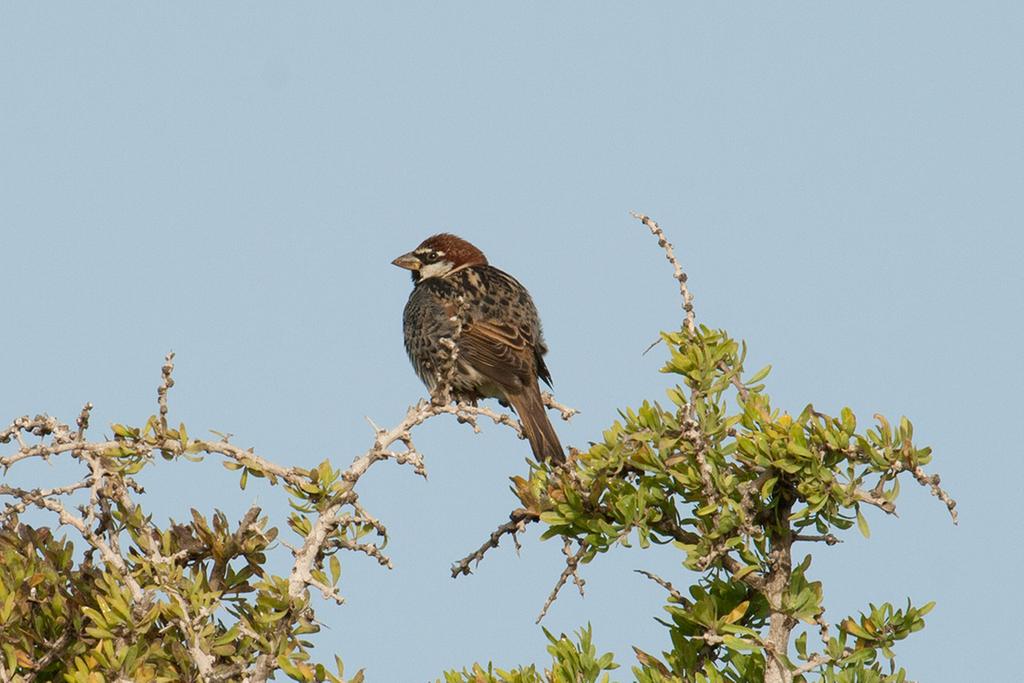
<point x="841" y="180"/>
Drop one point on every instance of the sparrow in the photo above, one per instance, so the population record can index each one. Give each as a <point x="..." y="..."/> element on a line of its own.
<point x="492" y="321"/>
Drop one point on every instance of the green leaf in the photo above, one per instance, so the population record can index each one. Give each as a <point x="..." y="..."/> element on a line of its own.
<point x="744" y="571"/>
<point x="855" y="629"/>
<point x="787" y="466"/>
<point x="849" y="421"/>
<point x="335" y="570"/>
<point x="286" y="665"/>
<point x="759" y="375"/>
<point x="707" y="509"/>
<point x="906" y="429"/>
<point x="862" y="524"/>
<point x="799" y="450"/>
<point x="552" y="518"/>
<point x="735" y="643"/>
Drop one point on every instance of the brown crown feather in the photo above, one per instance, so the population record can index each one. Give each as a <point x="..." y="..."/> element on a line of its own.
<point x="457" y="250"/>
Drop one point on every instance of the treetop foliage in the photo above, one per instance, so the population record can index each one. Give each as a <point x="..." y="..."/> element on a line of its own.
<point x="736" y="485"/>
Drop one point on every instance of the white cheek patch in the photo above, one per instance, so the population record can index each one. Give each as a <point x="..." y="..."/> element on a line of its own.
<point x="438" y="269"/>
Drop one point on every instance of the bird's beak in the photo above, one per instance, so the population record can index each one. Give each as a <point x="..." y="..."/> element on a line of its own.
<point x="407" y="261"/>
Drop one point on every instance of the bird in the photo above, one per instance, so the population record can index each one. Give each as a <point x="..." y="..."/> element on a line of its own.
<point x="459" y="298"/>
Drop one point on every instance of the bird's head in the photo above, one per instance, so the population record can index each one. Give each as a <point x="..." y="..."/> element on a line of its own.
<point x="440" y="255"/>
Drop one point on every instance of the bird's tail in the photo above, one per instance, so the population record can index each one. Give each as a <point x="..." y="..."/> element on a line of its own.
<point x="536" y="425"/>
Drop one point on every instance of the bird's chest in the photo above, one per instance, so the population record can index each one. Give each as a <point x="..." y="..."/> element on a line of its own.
<point x="429" y="314"/>
<point x="429" y="318"/>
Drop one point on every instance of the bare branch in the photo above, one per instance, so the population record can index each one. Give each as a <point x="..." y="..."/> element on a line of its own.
<point x="675" y="594"/>
<point x="518" y="520"/>
<point x="328" y="592"/>
<point x="823" y="627"/>
<point x="364" y="517"/>
<point x="827" y="539"/>
<point x="932" y="482"/>
<point x="83" y="421"/>
<point x="468" y="414"/>
<point x="571" y="563"/>
<point x="369" y="549"/>
<point x="811" y="664"/>
<point x="678" y="270"/>
<point x="567" y="413"/>
<point x="165" y="385"/>
<point x="28" y="497"/>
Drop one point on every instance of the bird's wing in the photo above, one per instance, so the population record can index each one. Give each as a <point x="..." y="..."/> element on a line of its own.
<point x="500" y="352"/>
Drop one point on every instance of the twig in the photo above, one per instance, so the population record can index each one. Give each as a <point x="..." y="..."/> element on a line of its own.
<point x="550" y="402"/>
<point x="675" y="594"/>
<point x="328" y="592"/>
<point x="28" y="497"/>
<point x="166" y="383"/>
<point x="932" y="482"/>
<point x="369" y="549"/>
<point x="811" y="664"/>
<point x="83" y="421"/>
<point x="467" y="414"/>
<point x="827" y="539"/>
<point x="518" y="520"/>
<point x="678" y="270"/>
<point x="571" y="564"/>
<point x="364" y="517"/>
<point x="823" y="627"/>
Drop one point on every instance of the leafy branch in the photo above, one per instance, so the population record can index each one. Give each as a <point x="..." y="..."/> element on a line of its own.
<point x="735" y="484"/>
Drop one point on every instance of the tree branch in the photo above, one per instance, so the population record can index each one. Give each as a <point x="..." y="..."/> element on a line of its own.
<point x="673" y="593"/>
<point x="518" y="520"/>
<point x="677" y="269"/>
<point x="571" y="565"/>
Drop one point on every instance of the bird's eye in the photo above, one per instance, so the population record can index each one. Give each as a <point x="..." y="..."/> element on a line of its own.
<point x="430" y="257"/>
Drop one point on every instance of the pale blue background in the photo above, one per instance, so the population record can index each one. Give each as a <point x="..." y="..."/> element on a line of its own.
<point x="230" y="180"/>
